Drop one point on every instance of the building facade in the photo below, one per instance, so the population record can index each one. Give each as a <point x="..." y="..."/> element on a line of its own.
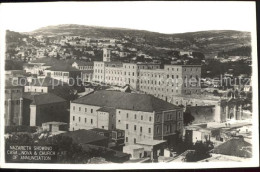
<point x="13" y="104"/>
<point x="149" y="78"/>
<point x="141" y="116"/>
<point x="42" y="108"/>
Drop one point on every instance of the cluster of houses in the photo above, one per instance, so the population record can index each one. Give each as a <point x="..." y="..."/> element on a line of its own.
<point x="144" y="123"/>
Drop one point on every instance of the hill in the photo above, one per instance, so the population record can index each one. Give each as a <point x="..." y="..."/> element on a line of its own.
<point x="208" y="42"/>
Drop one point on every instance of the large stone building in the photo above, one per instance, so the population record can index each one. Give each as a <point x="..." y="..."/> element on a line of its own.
<point x="149" y="78"/>
<point x="44" y="107"/>
<point x="86" y="69"/>
<point x="13" y="104"/>
<point x="64" y="73"/>
<point x="176" y="84"/>
<point x="141" y="116"/>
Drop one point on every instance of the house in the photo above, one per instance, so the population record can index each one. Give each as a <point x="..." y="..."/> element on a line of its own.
<point x="195" y="133"/>
<point x="82" y="65"/>
<point x="123" y="54"/>
<point x="141" y="116"/>
<point x="38" y="66"/>
<point x="64" y="73"/>
<point x="40" y="108"/>
<point x="54" y="126"/>
<point x="114" y="156"/>
<point x="41" y="53"/>
<point x="153" y="148"/>
<point x="87" y="76"/>
<point x="84" y="137"/>
<point x="136" y="151"/>
<point x="116" y="137"/>
<point x="43" y="85"/>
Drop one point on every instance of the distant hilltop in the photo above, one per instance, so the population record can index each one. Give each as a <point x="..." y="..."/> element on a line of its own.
<point x="204" y="41"/>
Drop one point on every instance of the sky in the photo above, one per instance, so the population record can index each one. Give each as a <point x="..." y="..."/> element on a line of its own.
<point x="163" y="17"/>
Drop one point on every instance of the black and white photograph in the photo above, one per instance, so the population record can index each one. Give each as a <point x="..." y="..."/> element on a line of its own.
<point x="129" y="85"/>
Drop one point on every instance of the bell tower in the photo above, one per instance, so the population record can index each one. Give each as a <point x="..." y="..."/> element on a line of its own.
<point x="106" y="55"/>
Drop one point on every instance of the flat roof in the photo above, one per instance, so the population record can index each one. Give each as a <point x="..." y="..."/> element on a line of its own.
<point x="55" y="122"/>
<point x="134" y="147"/>
<point x="151" y="142"/>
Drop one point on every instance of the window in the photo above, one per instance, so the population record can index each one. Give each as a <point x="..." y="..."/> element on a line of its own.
<point x="141" y="129"/>
<point x="126" y="126"/>
<point x="142" y="117"/>
<point x="150" y="118"/>
<point x="179" y="114"/>
<point x="149" y="130"/>
<point x="73" y="118"/>
<point x="135" y="127"/>
<point x="91" y="121"/>
<point x="79" y="108"/>
<point x="158" y="130"/>
<point x="85" y="109"/>
<point x="134" y="140"/>
<point x="127" y="115"/>
<point x="79" y="119"/>
<point x="158" y="118"/>
<point x="42" y="90"/>
<point x="135" y="116"/>
<point x="167" y="128"/>
<point x="126" y="139"/>
<point x="91" y="110"/>
<point x="119" y="111"/>
<point x="85" y="120"/>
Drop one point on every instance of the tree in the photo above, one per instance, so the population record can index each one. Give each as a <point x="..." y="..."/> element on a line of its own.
<point x="242" y="94"/>
<point x="215" y="93"/>
<point x="230" y="94"/>
<point x="201" y="151"/>
<point x="187" y="118"/>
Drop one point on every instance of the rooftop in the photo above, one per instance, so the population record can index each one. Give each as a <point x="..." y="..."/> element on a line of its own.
<point x="134" y="147"/>
<point x="151" y="142"/>
<point x="126" y="101"/>
<point x="107" y="109"/>
<point x="80" y="62"/>
<point x="41" y="99"/>
<point x="54" y="123"/>
<point x="64" y="67"/>
<point x="84" y="136"/>
<point x="235" y="147"/>
<point x="10" y="84"/>
<point x="45" y="82"/>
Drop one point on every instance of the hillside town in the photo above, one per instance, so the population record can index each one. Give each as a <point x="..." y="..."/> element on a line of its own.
<point x="117" y="104"/>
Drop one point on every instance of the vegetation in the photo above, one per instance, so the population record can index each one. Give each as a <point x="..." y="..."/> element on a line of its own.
<point x="187" y="118"/>
<point x="204" y="41"/>
<point x="241" y="51"/>
<point x="13" y="65"/>
<point x="11" y="129"/>
<point x="201" y="151"/>
<point x="218" y="68"/>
